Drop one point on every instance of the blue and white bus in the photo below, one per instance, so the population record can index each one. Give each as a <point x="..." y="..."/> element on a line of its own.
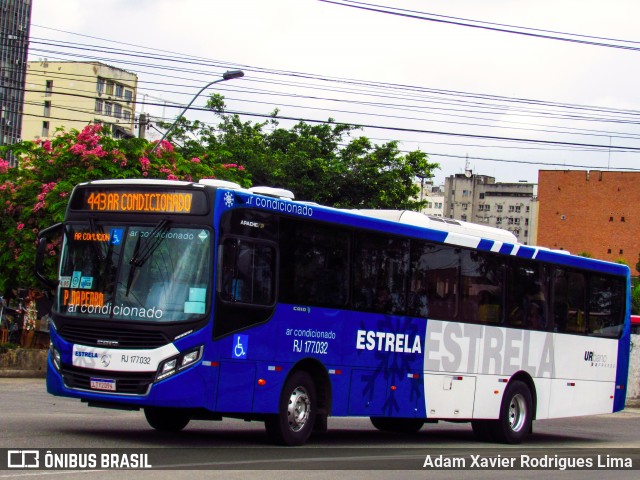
<point x="205" y="300"/>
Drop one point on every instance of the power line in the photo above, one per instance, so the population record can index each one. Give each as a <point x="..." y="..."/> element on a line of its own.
<point x="495" y="27"/>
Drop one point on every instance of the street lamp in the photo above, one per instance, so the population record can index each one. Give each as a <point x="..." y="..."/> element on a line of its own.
<point x="228" y="75"/>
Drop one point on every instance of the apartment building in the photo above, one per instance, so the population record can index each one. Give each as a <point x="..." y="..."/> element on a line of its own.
<point x="73" y="94"/>
<point x="433" y="196"/>
<point x="15" y="19"/>
<point x="479" y="199"/>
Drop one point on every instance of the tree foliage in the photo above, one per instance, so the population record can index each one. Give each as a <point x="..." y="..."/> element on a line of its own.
<point x="323" y="163"/>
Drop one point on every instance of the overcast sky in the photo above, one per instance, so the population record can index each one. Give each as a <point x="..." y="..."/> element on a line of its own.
<point x="338" y="42"/>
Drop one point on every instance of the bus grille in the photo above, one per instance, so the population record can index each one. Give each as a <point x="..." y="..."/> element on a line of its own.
<point x="107" y="337"/>
<point x="126" y="383"/>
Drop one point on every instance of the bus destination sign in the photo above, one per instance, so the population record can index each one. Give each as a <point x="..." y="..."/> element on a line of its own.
<point x="141" y="201"/>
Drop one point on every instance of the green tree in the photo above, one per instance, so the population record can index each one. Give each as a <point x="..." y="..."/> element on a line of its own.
<point x="323" y="163"/>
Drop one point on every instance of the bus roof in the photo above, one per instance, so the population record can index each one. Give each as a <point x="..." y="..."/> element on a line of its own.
<point x="439" y="223"/>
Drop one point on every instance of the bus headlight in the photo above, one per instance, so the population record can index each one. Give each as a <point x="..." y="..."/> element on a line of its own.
<point x="55" y="356"/>
<point x="178" y="363"/>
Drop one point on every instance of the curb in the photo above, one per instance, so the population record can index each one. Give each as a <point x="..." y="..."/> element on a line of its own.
<point x="13" y="373"/>
<point x="23" y="363"/>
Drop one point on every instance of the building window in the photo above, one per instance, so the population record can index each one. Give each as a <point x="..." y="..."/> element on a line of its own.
<point x="621" y="251"/>
<point x="465" y="206"/>
<point x="527" y="209"/>
<point x="518" y="208"/>
<point x="99" y="106"/>
<point x="498" y="220"/>
<point x="119" y="90"/>
<point x="45" y="129"/>
<point x="438" y="204"/>
<point x="100" y="86"/>
<point x="526" y="222"/>
<point x="510" y="221"/>
<point x="110" y="86"/>
<point x="127" y="115"/>
<point x="516" y="221"/>
<point x="463" y="218"/>
<point x="481" y="196"/>
<point x="47" y="108"/>
<point x="117" y="110"/>
<point x="498" y="208"/>
<point x="128" y="96"/>
<point x="622" y="219"/>
<point x="466" y="193"/>
<point x="48" y="88"/>
<point x="108" y="108"/>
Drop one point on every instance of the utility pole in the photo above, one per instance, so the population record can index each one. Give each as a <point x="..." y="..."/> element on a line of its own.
<point x="142" y="125"/>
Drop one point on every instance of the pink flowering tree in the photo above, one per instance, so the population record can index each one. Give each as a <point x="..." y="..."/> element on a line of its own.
<point x="34" y="195"/>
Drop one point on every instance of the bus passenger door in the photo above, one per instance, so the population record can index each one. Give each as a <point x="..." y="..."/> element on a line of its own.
<point x="449" y="396"/>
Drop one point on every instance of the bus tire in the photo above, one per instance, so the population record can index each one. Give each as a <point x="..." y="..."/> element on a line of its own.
<point x="296" y="415"/>
<point x="167" y="419"/>
<point x="397" y="425"/>
<point x="516" y="414"/>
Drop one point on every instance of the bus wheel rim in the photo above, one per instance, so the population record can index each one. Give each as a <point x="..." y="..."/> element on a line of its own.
<point x="517" y="412"/>
<point x="298" y="409"/>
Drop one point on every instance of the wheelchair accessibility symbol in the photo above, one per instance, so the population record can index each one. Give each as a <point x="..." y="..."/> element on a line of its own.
<point x="240" y="346"/>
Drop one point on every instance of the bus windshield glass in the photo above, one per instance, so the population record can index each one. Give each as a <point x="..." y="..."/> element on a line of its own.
<point x="155" y="273"/>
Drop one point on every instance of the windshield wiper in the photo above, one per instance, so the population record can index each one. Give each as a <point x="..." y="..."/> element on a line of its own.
<point x="144" y="249"/>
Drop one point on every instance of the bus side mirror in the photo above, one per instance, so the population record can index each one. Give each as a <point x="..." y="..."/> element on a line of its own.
<point x="43" y="239"/>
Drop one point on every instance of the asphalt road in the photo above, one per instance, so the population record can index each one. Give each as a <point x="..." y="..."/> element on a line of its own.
<point x="32" y="419"/>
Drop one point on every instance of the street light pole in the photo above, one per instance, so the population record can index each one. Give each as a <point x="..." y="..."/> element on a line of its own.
<point x="228" y="75"/>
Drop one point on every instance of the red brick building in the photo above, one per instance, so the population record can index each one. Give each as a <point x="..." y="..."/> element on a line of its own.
<point x="590" y="211"/>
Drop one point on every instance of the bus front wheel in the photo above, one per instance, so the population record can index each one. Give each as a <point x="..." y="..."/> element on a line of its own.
<point x="167" y="419"/>
<point x="296" y="415"/>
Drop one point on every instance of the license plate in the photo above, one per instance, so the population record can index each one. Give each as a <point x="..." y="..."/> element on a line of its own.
<point x="103" y="384"/>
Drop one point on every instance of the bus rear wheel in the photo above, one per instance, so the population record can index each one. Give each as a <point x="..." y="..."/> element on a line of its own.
<point x="296" y="415"/>
<point x="397" y="425"/>
<point x="167" y="419"/>
<point x="516" y="414"/>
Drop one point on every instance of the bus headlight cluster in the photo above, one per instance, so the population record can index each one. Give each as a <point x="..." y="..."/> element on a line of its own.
<point x="178" y="363"/>
<point x="55" y="356"/>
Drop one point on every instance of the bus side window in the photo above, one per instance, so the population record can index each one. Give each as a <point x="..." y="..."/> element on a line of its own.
<point x="381" y="268"/>
<point x="526" y="296"/>
<point x="247" y="272"/>
<point x="606" y="306"/>
<point x="568" y="292"/>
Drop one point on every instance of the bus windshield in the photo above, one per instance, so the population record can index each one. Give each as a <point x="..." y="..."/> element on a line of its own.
<point x="155" y="273"/>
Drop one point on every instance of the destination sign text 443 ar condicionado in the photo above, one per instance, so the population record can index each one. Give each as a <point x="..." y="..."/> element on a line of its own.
<point x="169" y="202"/>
